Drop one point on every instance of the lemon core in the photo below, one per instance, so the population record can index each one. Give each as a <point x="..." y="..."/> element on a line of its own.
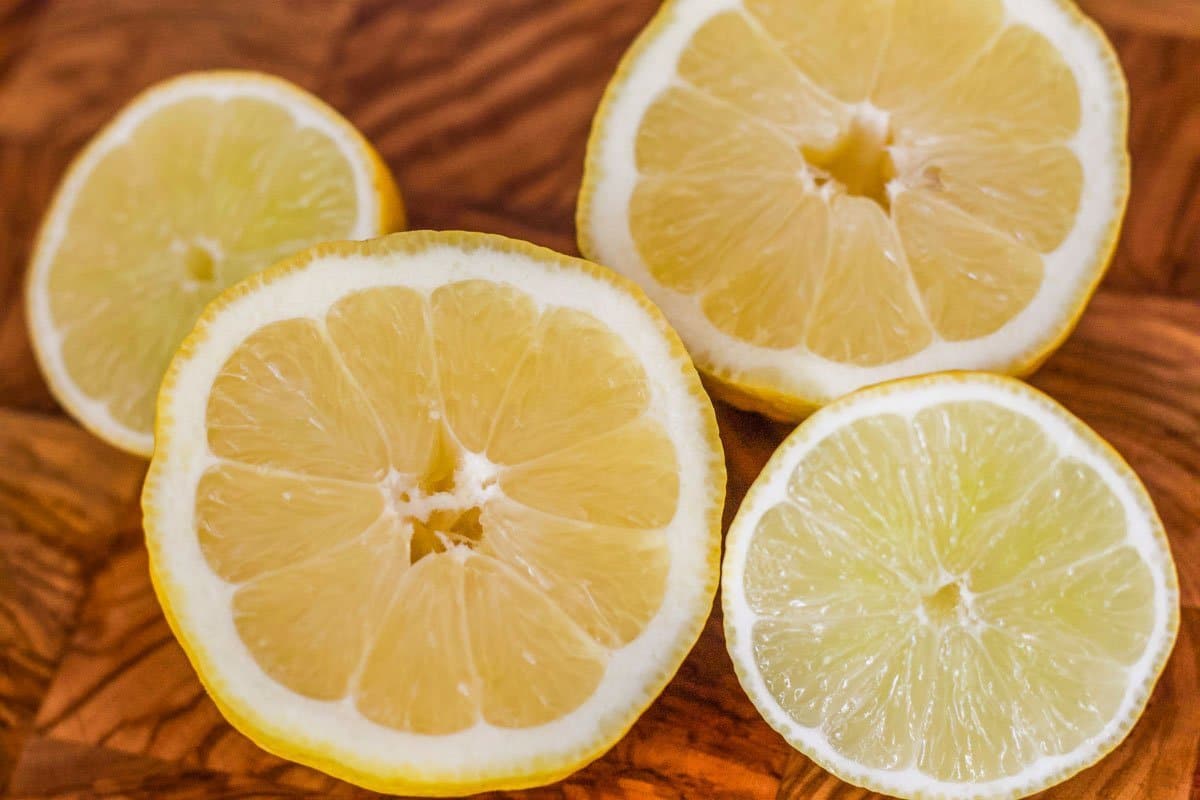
<point x="945" y="606"/>
<point x="200" y="259"/>
<point x="446" y="502"/>
<point x="859" y="163"/>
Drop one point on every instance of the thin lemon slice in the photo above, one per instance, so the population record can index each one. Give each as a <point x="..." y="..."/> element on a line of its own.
<point x="822" y="194"/>
<point x="199" y="182"/>
<point x="436" y="513"/>
<point x="948" y="587"/>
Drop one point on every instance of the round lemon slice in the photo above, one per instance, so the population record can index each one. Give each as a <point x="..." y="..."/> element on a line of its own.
<point x="948" y="587"/>
<point x="436" y="513"/>
<point x="199" y="182"/>
<point x="822" y="195"/>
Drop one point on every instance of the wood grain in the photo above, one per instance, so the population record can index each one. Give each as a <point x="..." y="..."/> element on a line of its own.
<point x="29" y="172"/>
<point x="17" y="21"/>
<point x="62" y="483"/>
<point x="482" y="108"/>
<point x="494" y="140"/>
<point x="40" y="589"/>
<point x="65" y="771"/>
<point x="1160" y="246"/>
<point x="1176" y="18"/>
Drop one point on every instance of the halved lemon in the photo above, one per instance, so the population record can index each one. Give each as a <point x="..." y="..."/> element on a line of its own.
<point x="199" y="182"/>
<point x="435" y="513"/>
<point x="948" y="587"/>
<point x="822" y="194"/>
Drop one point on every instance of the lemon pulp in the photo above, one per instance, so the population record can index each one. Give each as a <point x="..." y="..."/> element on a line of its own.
<point x="200" y="182"/>
<point x="443" y="507"/>
<point x="949" y="592"/>
<point x="859" y="207"/>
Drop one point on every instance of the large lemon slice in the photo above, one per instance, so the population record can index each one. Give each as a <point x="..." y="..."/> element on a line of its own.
<point x="824" y="194"/>
<point x="199" y="182"/>
<point x="436" y="513"/>
<point x="948" y="587"/>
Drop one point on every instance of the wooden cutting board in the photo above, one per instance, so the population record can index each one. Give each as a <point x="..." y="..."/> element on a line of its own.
<point x="482" y="108"/>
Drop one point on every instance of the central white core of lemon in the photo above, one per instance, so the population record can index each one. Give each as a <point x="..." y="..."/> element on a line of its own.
<point x="202" y="257"/>
<point x="443" y="509"/>
<point x="859" y="163"/>
<point x="948" y="605"/>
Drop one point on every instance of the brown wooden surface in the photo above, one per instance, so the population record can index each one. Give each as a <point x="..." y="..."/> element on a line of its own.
<point x="482" y="108"/>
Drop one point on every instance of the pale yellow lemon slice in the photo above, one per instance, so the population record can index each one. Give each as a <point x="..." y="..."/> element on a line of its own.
<point x="824" y="194"/>
<point x="948" y="587"/>
<point x="199" y="182"/>
<point x="436" y="513"/>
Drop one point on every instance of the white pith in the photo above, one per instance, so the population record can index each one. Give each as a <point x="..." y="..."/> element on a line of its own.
<point x="907" y="398"/>
<point x="1070" y="269"/>
<point x="335" y="732"/>
<point x="92" y="413"/>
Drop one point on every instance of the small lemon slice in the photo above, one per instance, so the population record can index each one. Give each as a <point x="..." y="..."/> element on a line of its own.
<point x="199" y="182"/>
<point x="436" y="513"/>
<point x="948" y="587"/>
<point x="822" y="194"/>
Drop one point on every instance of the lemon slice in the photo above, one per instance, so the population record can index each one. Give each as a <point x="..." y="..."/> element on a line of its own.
<point x="822" y="194"/>
<point x="199" y="182"/>
<point x="949" y="587"/>
<point x="435" y="513"/>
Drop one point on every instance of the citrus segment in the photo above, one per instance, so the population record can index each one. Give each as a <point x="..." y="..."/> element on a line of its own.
<point x="769" y="89"/>
<point x="609" y="580"/>
<point x="424" y="637"/>
<point x="920" y="55"/>
<point x="552" y="404"/>
<point x="1072" y="501"/>
<point x="972" y="279"/>
<point x="472" y="359"/>
<point x="455" y="505"/>
<point x="284" y="400"/>
<point x="1019" y="90"/>
<point x="628" y="477"/>
<point x="249" y="521"/>
<point x="535" y="664"/>
<point x="805" y="31"/>
<point x="302" y="625"/>
<point x="382" y="339"/>
<point x="1028" y="194"/>
<point x="758" y="303"/>
<point x="866" y="292"/>
<point x="949" y="587"/>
